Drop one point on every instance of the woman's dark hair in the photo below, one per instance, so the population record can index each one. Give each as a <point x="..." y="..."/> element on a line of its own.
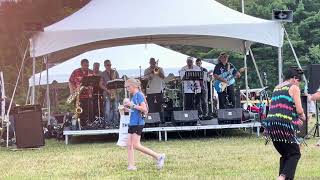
<point x="293" y="72"/>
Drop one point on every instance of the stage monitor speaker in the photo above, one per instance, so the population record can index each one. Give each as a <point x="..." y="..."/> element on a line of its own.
<point x="313" y="74"/>
<point x="190" y="116"/>
<point x="28" y="126"/>
<point x="153" y="118"/>
<point x="304" y="128"/>
<point x="230" y="116"/>
<point x="282" y="15"/>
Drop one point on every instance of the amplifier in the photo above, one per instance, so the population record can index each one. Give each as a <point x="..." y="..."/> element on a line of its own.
<point x="189" y="116"/>
<point x="153" y="118"/>
<point x="230" y="116"/>
<point x="28" y="126"/>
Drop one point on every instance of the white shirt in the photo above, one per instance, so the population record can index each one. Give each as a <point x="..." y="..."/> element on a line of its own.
<point x="156" y="84"/>
<point x="190" y="86"/>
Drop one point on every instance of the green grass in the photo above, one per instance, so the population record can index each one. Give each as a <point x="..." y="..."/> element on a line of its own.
<point x="239" y="156"/>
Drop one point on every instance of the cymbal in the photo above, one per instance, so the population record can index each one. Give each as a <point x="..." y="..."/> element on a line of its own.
<point x="168" y="89"/>
<point x="171" y="78"/>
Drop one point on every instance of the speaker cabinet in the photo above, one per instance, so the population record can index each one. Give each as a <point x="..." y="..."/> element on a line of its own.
<point x="190" y="116"/>
<point x="230" y="116"/>
<point x="153" y="118"/>
<point x="304" y="128"/>
<point x="282" y="15"/>
<point x="28" y="126"/>
<point x="313" y="74"/>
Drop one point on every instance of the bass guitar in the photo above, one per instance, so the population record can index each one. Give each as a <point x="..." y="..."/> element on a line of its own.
<point x="220" y="86"/>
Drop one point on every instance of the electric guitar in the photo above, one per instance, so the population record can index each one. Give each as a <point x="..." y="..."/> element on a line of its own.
<point x="220" y="86"/>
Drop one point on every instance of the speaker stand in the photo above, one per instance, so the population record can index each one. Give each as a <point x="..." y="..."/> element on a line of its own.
<point x="315" y="128"/>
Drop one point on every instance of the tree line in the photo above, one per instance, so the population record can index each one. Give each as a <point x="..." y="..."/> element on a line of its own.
<point x="304" y="32"/>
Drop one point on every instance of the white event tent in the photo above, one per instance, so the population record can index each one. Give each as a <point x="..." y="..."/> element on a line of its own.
<point x="126" y="59"/>
<point x="108" y="23"/>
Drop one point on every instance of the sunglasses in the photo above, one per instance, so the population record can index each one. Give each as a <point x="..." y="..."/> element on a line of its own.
<point x="108" y="65"/>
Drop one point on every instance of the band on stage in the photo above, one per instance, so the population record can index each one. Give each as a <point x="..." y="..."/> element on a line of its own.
<point x="96" y="94"/>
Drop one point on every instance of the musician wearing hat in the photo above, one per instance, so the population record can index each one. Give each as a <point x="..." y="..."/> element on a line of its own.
<point x="225" y="74"/>
<point x="155" y="76"/>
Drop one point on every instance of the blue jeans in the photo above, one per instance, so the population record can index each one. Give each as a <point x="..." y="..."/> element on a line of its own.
<point x="111" y="113"/>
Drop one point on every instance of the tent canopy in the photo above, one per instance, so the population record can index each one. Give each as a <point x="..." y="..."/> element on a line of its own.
<point x="110" y="23"/>
<point x="126" y="59"/>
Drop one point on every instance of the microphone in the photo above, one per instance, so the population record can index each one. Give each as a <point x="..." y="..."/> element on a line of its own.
<point x="265" y="78"/>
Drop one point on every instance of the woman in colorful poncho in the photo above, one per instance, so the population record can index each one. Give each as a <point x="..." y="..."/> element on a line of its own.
<point x="281" y="125"/>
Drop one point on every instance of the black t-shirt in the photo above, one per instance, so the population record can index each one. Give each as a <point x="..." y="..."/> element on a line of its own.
<point x="220" y="69"/>
<point x="203" y="69"/>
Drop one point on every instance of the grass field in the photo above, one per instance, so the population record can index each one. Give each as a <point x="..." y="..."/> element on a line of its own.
<point x="235" y="155"/>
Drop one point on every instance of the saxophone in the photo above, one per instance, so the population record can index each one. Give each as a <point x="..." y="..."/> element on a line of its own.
<point x="78" y="110"/>
<point x="74" y="95"/>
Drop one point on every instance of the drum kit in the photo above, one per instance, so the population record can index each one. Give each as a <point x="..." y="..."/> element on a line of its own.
<point x="172" y="92"/>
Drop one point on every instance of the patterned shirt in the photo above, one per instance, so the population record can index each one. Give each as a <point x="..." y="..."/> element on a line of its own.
<point x="76" y="78"/>
<point x="190" y="86"/>
<point x="226" y="72"/>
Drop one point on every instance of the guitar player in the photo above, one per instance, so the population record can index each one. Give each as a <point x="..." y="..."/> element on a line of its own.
<point x="225" y="72"/>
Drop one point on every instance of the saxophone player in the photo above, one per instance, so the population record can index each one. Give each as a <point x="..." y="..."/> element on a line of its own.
<point x="155" y="76"/>
<point x="84" y="97"/>
<point x="111" y="115"/>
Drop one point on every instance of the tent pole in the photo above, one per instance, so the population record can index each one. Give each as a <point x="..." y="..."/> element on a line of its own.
<point x="246" y="69"/>
<point x="256" y="67"/>
<point x="3" y="104"/>
<point x="28" y="94"/>
<point x="13" y="94"/>
<point x="45" y="58"/>
<point x="33" y="91"/>
<point x="280" y="64"/>
<point x="242" y="6"/>
<point x="245" y="60"/>
<point x="295" y="56"/>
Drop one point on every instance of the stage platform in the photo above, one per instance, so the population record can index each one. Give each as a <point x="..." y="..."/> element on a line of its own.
<point x="166" y="129"/>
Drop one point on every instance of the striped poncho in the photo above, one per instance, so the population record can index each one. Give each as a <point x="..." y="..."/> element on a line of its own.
<point x="281" y="122"/>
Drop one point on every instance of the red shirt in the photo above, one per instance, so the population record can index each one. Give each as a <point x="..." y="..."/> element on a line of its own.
<point x="76" y="78"/>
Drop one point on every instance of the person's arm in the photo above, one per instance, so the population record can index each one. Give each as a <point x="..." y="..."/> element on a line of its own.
<point x="219" y="78"/>
<point x="235" y="72"/>
<point x="148" y="74"/>
<point x="294" y="92"/>
<point x="182" y="72"/>
<point x="315" y="96"/>
<point x="117" y="75"/>
<point x="140" y="106"/>
<point x="72" y="86"/>
<point x="238" y="75"/>
<point x="161" y="73"/>
<point x="101" y="84"/>
<point x="216" y="76"/>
